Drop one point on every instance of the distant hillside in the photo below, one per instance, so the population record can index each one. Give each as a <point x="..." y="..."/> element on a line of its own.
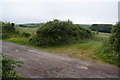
<point x="101" y="27"/>
<point x="34" y="25"/>
<point x="86" y="25"/>
<point x="30" y="25"/>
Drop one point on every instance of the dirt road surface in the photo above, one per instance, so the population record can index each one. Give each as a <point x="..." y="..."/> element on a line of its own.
<point x="40" y="64"/>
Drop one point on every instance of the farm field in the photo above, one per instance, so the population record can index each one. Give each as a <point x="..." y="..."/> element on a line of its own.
<point x="28" y="30"/>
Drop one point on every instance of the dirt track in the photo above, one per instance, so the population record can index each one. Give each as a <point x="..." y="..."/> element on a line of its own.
<point x="40" y="64"/>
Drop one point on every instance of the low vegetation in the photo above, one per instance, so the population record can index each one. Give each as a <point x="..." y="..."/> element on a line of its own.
<point x="105" y="53"/>
<point x="8" y="69"/>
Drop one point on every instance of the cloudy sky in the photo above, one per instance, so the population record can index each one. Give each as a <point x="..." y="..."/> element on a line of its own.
<point x="79" y="11"/>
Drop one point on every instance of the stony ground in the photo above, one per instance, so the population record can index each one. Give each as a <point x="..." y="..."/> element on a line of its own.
<point x="40" y="64"/>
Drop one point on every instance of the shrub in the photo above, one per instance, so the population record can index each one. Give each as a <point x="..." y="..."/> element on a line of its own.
<point x="58" y="32"/>
<point x="115" y="38"/>
<point x="8" y="68"/>
<point x="7" y="29"/>
<point x="26" y="34"/>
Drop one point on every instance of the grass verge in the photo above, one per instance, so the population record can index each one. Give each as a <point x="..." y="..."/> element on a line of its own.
<point x="106" y="54"/>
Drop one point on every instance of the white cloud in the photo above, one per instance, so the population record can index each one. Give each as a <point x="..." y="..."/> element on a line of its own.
<point x="32" y="1"/>
<point x="79" y="11"/>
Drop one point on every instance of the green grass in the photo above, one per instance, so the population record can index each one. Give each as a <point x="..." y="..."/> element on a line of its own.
<point x="28" y="30"/>
<point x="104" y="35"/>
<point x="85" y="46"/>
<point x="19" y="40"/>
<point x="107" y="57"/>
<point x="106" y="54"/>
<point x="89" y="50"/>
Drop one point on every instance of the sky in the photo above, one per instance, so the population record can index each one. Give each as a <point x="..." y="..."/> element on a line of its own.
<point x="78" y="11"/>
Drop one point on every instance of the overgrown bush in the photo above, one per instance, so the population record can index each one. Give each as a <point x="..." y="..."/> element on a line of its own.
<point x="115" y="38"/>
<point x="58" y="32"/>
<point x="115" y="41"/>
<point x="8" y="69"/>
<point x="7" y="29"/>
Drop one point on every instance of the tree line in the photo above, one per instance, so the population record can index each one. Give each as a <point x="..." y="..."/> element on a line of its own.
<point x="106" y="28"/>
